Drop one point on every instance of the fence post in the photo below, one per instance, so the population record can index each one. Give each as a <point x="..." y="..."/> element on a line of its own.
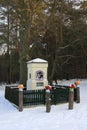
<point x="71" y="96"/>
<point x="48" y="101"/>
<point x="78" y="94"/>
<point x="48" y="98"/>
<point x="77" y="84"/>
<point x="20" y="97"/>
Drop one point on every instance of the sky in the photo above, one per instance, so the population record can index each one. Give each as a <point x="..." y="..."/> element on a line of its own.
<point x="36" y="118"/>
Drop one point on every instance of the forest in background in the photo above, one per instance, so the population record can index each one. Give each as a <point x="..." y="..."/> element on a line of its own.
<point x="54" y="30"/>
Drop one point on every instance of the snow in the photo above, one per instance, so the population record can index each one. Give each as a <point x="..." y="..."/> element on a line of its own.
<point x="37" y="60"/>
<point x="36" y="118"/>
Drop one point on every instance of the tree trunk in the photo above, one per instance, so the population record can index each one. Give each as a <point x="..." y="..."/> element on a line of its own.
<point x="23" y="72"/>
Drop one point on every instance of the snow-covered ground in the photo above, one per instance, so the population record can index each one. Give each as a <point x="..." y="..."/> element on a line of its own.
<point x="36" y="118"/>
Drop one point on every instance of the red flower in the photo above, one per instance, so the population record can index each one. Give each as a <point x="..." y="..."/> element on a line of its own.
<point x="72" y="86"/>
<point x="48" y="87"/>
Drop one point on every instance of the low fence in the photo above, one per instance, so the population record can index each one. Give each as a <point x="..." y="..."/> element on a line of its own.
<point x="59" y="95"/>
<point x="33" y="97"/>
<point x="37" y="97"/>
<point x="12" y="94"/>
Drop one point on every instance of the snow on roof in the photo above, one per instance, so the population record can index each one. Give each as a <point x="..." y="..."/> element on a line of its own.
<point x="37" y="60"/>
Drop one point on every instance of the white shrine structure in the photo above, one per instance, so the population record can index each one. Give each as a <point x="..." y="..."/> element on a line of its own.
<point x="37" y="74"/>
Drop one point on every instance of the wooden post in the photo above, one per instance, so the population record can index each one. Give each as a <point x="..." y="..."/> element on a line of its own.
<point x="20" y="99"/>
<point x="48" y="101"/>
<point x="77" y="85"/>
<point x="20" y="86"/>
<point x="78" y="94"/>
<point x="71" y="98"/>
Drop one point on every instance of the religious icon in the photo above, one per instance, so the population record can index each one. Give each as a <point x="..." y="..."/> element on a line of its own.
<point x="39" y="75"/>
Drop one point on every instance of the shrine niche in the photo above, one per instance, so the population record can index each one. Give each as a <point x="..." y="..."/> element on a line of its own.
<point x="37" y="74"/>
